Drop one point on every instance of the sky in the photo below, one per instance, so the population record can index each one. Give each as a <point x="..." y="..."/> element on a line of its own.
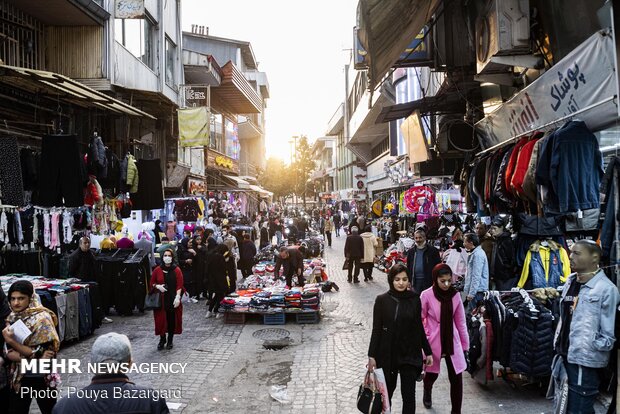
<point x="299" y="44"/>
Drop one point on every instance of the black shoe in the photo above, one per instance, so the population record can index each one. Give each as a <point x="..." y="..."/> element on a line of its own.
<point x="370" y="278"/>
<point x="161" y="344"/>
<point x="365" y="279"/>
<point x="356" y="281"/>
<point x="336" y="287"/>
<point x="169" y="345"/>
<point x="427" y="400"/>
<point x="349" y="280"/>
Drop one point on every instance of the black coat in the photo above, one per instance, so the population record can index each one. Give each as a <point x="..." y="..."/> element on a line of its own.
<point x="431" y="259"/>
<point x="502" y="265"/>
<point x="292" y="264"/>
<point x="82" y="265"/>
<point x="354" y="246"/>
<point x="395" y="343"/>
<point x="247" y="251"/>
<point x="221" y="273"/>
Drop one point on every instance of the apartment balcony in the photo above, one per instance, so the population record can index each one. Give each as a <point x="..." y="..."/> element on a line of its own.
<point x="336" y="123"/>
<point x="247" y="169"/>
<point x="131" y="73"/>
<point x="249" y="130"/>
<point x="201" y="69"/>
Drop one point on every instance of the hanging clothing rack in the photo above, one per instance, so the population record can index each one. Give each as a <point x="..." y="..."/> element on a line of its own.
<point x="542" y="127"/>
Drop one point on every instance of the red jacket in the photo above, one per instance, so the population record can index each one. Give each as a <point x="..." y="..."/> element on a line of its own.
<point x="512" y="163"/>
<point x="523" y="162"/>
<point x="161" y="324"/>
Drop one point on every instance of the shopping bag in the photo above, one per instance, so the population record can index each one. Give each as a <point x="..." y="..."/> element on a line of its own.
<point x="345" y="265"/>
<point x="381" y="385"/>
<point x="152" y="301"/>
<point x="185" y="297"/>
<point x="368" y="397"/>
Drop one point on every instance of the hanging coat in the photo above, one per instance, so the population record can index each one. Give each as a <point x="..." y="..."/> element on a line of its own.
<point x="546" y="266"/>
<point x="132" y="174"/>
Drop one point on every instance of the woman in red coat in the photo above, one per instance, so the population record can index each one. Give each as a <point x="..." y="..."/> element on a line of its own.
<point x="168" y="279"/>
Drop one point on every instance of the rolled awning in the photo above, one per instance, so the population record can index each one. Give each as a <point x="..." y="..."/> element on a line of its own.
<point x="66" y="89"/>
<point x="261" y="191"/>
<point x="386" y="28"/>
<point x="242" y="184"/>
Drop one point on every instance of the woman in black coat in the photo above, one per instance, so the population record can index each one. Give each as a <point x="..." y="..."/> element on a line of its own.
<point x="222" y="276"/>
<point x="199" y="267"/>
<point x="264" y="236"/>
<point x="398" y="338"/>
<point x="247" y="251"/>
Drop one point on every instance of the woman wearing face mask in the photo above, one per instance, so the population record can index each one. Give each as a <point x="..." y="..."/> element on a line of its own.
<point x="168" y="279"/>
<point x="222" y="278"/>
<point x="398" y="337"/>
<point x="444" y="321"/>
<point x="43" y="343"/>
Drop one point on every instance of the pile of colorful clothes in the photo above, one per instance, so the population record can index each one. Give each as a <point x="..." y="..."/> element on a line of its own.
<point x="274" y="299"/>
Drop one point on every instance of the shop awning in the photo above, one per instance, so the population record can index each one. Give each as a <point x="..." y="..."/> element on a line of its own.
<point x="261" y="191"/>
<point x="65" y="89"/>
<point x="242" y="184"/>
<point x="235" y="94"/>
<point x="386" y="28"/>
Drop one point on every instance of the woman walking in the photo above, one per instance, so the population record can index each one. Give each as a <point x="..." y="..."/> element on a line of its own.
<point x="443" y="315"/>
<point x="329" y="227"/>
<point x="42" y="343"/>
<point x="168" y="279"/>
<point x="264" y="236"/>
<point x="186" y="254"/>
<point x="222" y="278"/>
<point x="398" y="337"/>
<point x="247" y="251"/>
<point x="199" y="267"/>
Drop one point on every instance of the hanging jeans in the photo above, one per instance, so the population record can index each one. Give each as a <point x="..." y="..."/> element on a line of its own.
<point x="72" y="327"/>
<point x="11" y="181"/>
<point x="61" y="305"/>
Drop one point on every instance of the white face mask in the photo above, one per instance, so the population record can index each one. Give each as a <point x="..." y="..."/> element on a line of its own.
<point x="167" y="259"/>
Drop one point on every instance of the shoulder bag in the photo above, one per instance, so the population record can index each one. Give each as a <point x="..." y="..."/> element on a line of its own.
<point x="369" y="400"/>
<point x="152" y="301"/>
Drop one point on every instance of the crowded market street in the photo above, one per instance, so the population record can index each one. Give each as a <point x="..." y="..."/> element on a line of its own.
<point x="230" y="372"/>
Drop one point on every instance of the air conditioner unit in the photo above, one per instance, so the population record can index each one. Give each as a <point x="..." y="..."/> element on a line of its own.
<point x="455" y="137"/>
<point x="503" y="29"/>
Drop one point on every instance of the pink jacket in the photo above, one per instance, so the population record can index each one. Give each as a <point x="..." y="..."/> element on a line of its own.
<point x="431" y="315"/>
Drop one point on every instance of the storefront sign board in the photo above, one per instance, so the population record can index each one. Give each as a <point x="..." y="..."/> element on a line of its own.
<point x="585" y="77"/>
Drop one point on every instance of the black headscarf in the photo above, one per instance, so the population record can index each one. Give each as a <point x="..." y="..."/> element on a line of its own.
<point x="445" y="299"/>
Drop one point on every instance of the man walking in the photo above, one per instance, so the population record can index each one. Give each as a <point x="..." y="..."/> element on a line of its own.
<point x="368" y="261"/>
<point x="354" y="251"/>
<point x="477" y="273"/>
<point x="421" y="259"/>
<point x="337" y="223"/>
<point x="585" y="334"/>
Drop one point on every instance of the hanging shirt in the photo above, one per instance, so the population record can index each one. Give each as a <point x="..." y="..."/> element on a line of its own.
<point x="568" y="304"/>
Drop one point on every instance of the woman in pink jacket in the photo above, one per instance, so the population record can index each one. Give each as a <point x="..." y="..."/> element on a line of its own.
<point x="443" y="317"/>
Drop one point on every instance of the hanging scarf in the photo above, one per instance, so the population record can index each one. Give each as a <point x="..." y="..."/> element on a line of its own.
<point x="42" y="323"/>
<point x="444" y="297"/>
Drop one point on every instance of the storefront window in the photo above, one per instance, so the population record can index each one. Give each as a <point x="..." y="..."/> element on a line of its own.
<point x="137" y="37"/>
<point x="232" y="140"/>
<point x="217" y="136"/>
<point x="171" y="51"/>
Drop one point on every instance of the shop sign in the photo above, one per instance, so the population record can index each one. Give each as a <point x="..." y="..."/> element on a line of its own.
<point x="585" y="77"/>
<point x="129" y="9"/>
<point x="176" y="175"/>
<point x="196" y="96"/>
<point x="196" y="187"/>
<point x="222" y="161"/>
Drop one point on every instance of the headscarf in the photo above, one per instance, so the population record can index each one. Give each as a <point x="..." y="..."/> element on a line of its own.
<point x="396" y="270"/>
<point x="42" y="323"/>
<point x="445" y="299"/>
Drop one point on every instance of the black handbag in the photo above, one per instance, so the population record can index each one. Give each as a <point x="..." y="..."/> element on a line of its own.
<point x="345" y="265"/>
<point x="369" y="399"/>
<point x="152" y="301"/>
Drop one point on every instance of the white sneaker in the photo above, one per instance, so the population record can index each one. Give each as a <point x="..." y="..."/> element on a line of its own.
<point x="208" y="315"/>
<point x="193" y="300"/>
<point x="218" y="315"/>
<point x="106" y="320"/>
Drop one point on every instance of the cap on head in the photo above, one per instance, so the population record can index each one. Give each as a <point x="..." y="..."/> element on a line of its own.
<point x="498" y="222"/>
<point x="111" y="347"/>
